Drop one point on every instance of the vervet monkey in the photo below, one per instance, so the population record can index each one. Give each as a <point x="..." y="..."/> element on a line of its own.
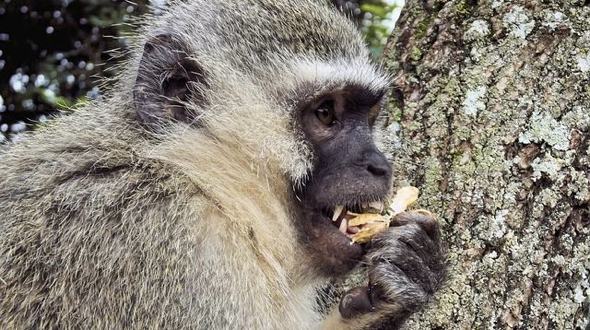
<point x="198" y="193"/>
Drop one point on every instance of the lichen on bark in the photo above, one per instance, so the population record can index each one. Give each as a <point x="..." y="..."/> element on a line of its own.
<point x="490" y="116"/>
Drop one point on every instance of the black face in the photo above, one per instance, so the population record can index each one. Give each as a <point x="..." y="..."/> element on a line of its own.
<point x="348" y="171"/>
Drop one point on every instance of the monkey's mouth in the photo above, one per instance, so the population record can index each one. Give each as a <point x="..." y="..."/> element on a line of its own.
<point x="330" y="238"/>
<point x="341" y="214"/>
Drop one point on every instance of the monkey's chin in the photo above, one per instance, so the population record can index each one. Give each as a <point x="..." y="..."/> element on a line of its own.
<point x="332" y="251"/>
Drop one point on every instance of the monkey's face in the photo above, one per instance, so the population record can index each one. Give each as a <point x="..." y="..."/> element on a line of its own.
<point x="349" y="172"/>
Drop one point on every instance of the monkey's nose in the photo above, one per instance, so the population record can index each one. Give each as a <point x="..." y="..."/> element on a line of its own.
<point x="377" y="164"/>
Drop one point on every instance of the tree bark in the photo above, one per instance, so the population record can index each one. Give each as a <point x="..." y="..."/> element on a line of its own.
<point x="490" y="116"/>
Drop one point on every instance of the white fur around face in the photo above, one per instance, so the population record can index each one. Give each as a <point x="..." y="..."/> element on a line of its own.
<point x="356" y="71"/>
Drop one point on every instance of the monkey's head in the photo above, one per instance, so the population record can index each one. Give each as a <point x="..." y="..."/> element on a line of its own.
<point x="292" y="83"/>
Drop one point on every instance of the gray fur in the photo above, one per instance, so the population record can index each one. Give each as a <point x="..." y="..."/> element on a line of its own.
<point x="110" y="224"/>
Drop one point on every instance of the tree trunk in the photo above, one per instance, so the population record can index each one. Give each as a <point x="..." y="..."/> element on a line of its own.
<point x="490" y="117"/>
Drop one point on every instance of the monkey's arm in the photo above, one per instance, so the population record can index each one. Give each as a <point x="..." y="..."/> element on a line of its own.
<point x="406" y="267"/>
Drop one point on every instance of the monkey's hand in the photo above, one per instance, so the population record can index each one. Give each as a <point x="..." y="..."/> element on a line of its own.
<point x="406" y="267"/>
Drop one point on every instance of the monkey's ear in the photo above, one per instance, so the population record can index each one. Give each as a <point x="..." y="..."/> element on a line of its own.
<point x="167" y="79"/>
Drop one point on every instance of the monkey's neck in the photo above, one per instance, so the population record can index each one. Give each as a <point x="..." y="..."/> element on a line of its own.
<point x="249" y="192"/>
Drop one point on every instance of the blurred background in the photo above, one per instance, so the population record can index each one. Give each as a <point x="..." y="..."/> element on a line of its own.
<point x="55" y="54"/>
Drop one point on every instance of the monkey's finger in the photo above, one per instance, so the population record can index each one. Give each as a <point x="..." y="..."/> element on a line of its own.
<point x="411" y="237"/>
<point x="355" y="302"/>
<point x="388" y="284"/>
<point x="412" y="234"/>
<point x="424" y="220"/>
<point x="415" y="262"/>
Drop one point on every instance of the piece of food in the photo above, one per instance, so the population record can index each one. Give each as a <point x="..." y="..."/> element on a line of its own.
<point x="362" y="227"/>
<point x="365" y="218"/>
<point x="403" y="198"/>
<point x="368" y="231"/>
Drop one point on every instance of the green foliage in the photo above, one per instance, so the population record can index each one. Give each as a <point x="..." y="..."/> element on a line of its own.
<point x="377" y="24"/>
<point x="52" y="53"/>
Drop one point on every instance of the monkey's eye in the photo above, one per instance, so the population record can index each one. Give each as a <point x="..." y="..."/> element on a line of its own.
<point x="325" y="113"/>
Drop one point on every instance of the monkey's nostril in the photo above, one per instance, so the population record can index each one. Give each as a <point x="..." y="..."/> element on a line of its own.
<point x="376" y="170"/>
<point x="377" y="164"/>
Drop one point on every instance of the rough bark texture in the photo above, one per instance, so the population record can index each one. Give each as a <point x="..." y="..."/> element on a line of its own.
<point x="490" y="116"/>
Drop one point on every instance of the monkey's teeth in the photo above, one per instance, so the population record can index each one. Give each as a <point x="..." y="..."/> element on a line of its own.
<point x="337" y="211"/>
<point x="343" y="226"/>
<point x="377" y="205"/>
